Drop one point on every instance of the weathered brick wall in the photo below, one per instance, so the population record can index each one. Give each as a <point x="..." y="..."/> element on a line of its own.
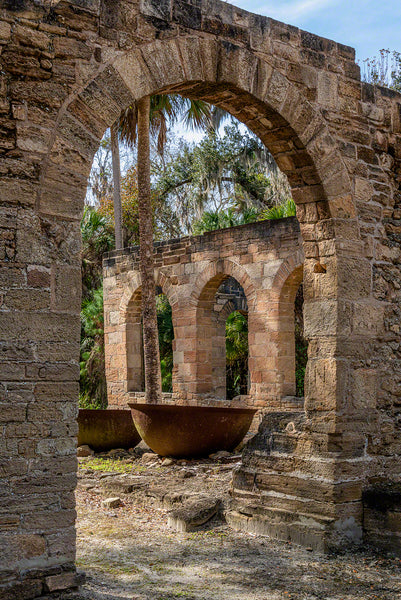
<point x="40" y="288"/>
<point x="264" y="258"/>
<point x="68" y="68"/>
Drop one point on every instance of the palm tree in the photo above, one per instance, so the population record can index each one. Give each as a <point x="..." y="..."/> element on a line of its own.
<point x="115" y="156"/>
<point x="97" y="238"/>
<point x="150" y="335"/>
<point x="152" y="115"/>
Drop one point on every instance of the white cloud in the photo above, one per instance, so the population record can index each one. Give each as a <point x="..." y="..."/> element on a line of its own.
<point x="294" y="10"/>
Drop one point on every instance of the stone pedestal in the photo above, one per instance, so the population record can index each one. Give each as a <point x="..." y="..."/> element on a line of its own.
<point x="290" y="489"/>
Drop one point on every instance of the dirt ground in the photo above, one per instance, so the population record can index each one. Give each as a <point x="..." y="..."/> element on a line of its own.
<point x="130" y="553"/>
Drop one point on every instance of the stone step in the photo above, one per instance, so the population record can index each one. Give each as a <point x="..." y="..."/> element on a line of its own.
<point x="295" y="484"/>
<point x="282" y="525"/>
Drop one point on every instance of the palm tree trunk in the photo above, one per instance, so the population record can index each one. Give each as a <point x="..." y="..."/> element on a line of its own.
<point x="150" y="334"/>
<point x="115" y="155"/>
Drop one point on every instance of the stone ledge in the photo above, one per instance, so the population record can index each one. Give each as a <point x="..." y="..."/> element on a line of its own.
<point x="282" y="525"/>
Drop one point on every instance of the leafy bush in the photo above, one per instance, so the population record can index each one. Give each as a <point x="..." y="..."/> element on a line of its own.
<point x="166" y="336"/>
<point x="222" y="219"/>
<point x="93" y="391"/>
<point x="281" y="211"/>
<point x="237" y="354"/>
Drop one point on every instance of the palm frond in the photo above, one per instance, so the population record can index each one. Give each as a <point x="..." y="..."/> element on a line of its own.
<point x="128" y="124"/>
<point x="197" y="114"/>
<point x="281" y="211"/>
<point x="218" y="116"/>
<point x="165" y="111"/>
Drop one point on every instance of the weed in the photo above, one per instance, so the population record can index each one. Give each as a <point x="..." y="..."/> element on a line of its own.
<point x="109" y="465"/>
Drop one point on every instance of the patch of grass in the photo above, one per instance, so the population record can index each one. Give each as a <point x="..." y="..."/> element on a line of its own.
<point x="161" y="568"/>
<point x="213" y="533"/>
<point x="103" y="563"/>
<point x="176" y="595"/>
<point x="111" y="465"/>
<point x="124" y="570"/>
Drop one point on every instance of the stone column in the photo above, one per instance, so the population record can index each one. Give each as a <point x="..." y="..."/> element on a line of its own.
<point x="184" y="352"/>
<point x="218" y="355"/>
<point x="40" y="291"/>
<point x="302" y="475"/>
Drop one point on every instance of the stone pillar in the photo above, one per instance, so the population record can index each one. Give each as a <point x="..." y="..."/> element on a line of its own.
<point x="272" y="336"/>
<point x="204" y="334"/>
<point x="134" y="357"/>
<point x="265" y="388"/>
<point x="118" y="329"/>
<point x="184" y="351"/>
<point x="302" y="475"/>
<point x="218" y="356"/>
<point x="40" y="292"/>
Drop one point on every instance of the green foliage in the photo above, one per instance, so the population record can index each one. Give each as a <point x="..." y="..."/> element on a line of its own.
<point x="281" y="211"/>
<point x="97" y="238"/>
<point x="93" y="393"/>
<point x="166" y="336"/>
<point x="237" y="354"/>
<point x="85" y="399"/>
<point x="229" y="172"/>
<point x="96" y="231"/>
<point x="233" y="171"/>
<point x="301" y="344"/>
<point x="224" y="218"/>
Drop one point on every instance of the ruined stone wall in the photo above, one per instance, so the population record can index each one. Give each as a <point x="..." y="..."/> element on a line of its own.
<point x="378" y="191"/>
<point x="68" y="68"/>
<point x="261" y="257"/>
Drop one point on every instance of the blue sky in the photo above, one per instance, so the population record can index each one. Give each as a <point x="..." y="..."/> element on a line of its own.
<point x="366" y="25"/>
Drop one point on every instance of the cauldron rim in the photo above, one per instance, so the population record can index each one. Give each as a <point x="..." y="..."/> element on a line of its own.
<point x="174" y="407"/>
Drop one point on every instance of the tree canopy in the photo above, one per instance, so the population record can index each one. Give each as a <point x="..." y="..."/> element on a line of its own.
<point x="225" y="172"/>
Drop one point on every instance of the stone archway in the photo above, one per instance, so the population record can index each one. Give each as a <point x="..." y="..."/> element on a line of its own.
<point x="190" y="271"/>
<point x="203" y="296"/>
<point x="123" y="335"/>
<point x="284" y="289"/>
<point x="67" y="70"/>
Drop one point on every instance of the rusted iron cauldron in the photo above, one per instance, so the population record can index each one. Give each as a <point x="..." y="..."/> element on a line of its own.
<point x="104" y="430"/>
<point x="190" y="431"/>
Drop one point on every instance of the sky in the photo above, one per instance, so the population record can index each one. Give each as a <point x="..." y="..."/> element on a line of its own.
<point x="366" y="25"/>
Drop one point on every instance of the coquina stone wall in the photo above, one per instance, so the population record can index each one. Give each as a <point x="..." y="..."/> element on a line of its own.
<point x="67" y="69"/>
<point x="265" y="258"/>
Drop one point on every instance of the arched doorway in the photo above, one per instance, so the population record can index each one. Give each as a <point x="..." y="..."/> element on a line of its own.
<point x="225" y="315"/>
<point x="239" y="63"/>
<point x="124" y="344"/>
<point x="303" y="160"/>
